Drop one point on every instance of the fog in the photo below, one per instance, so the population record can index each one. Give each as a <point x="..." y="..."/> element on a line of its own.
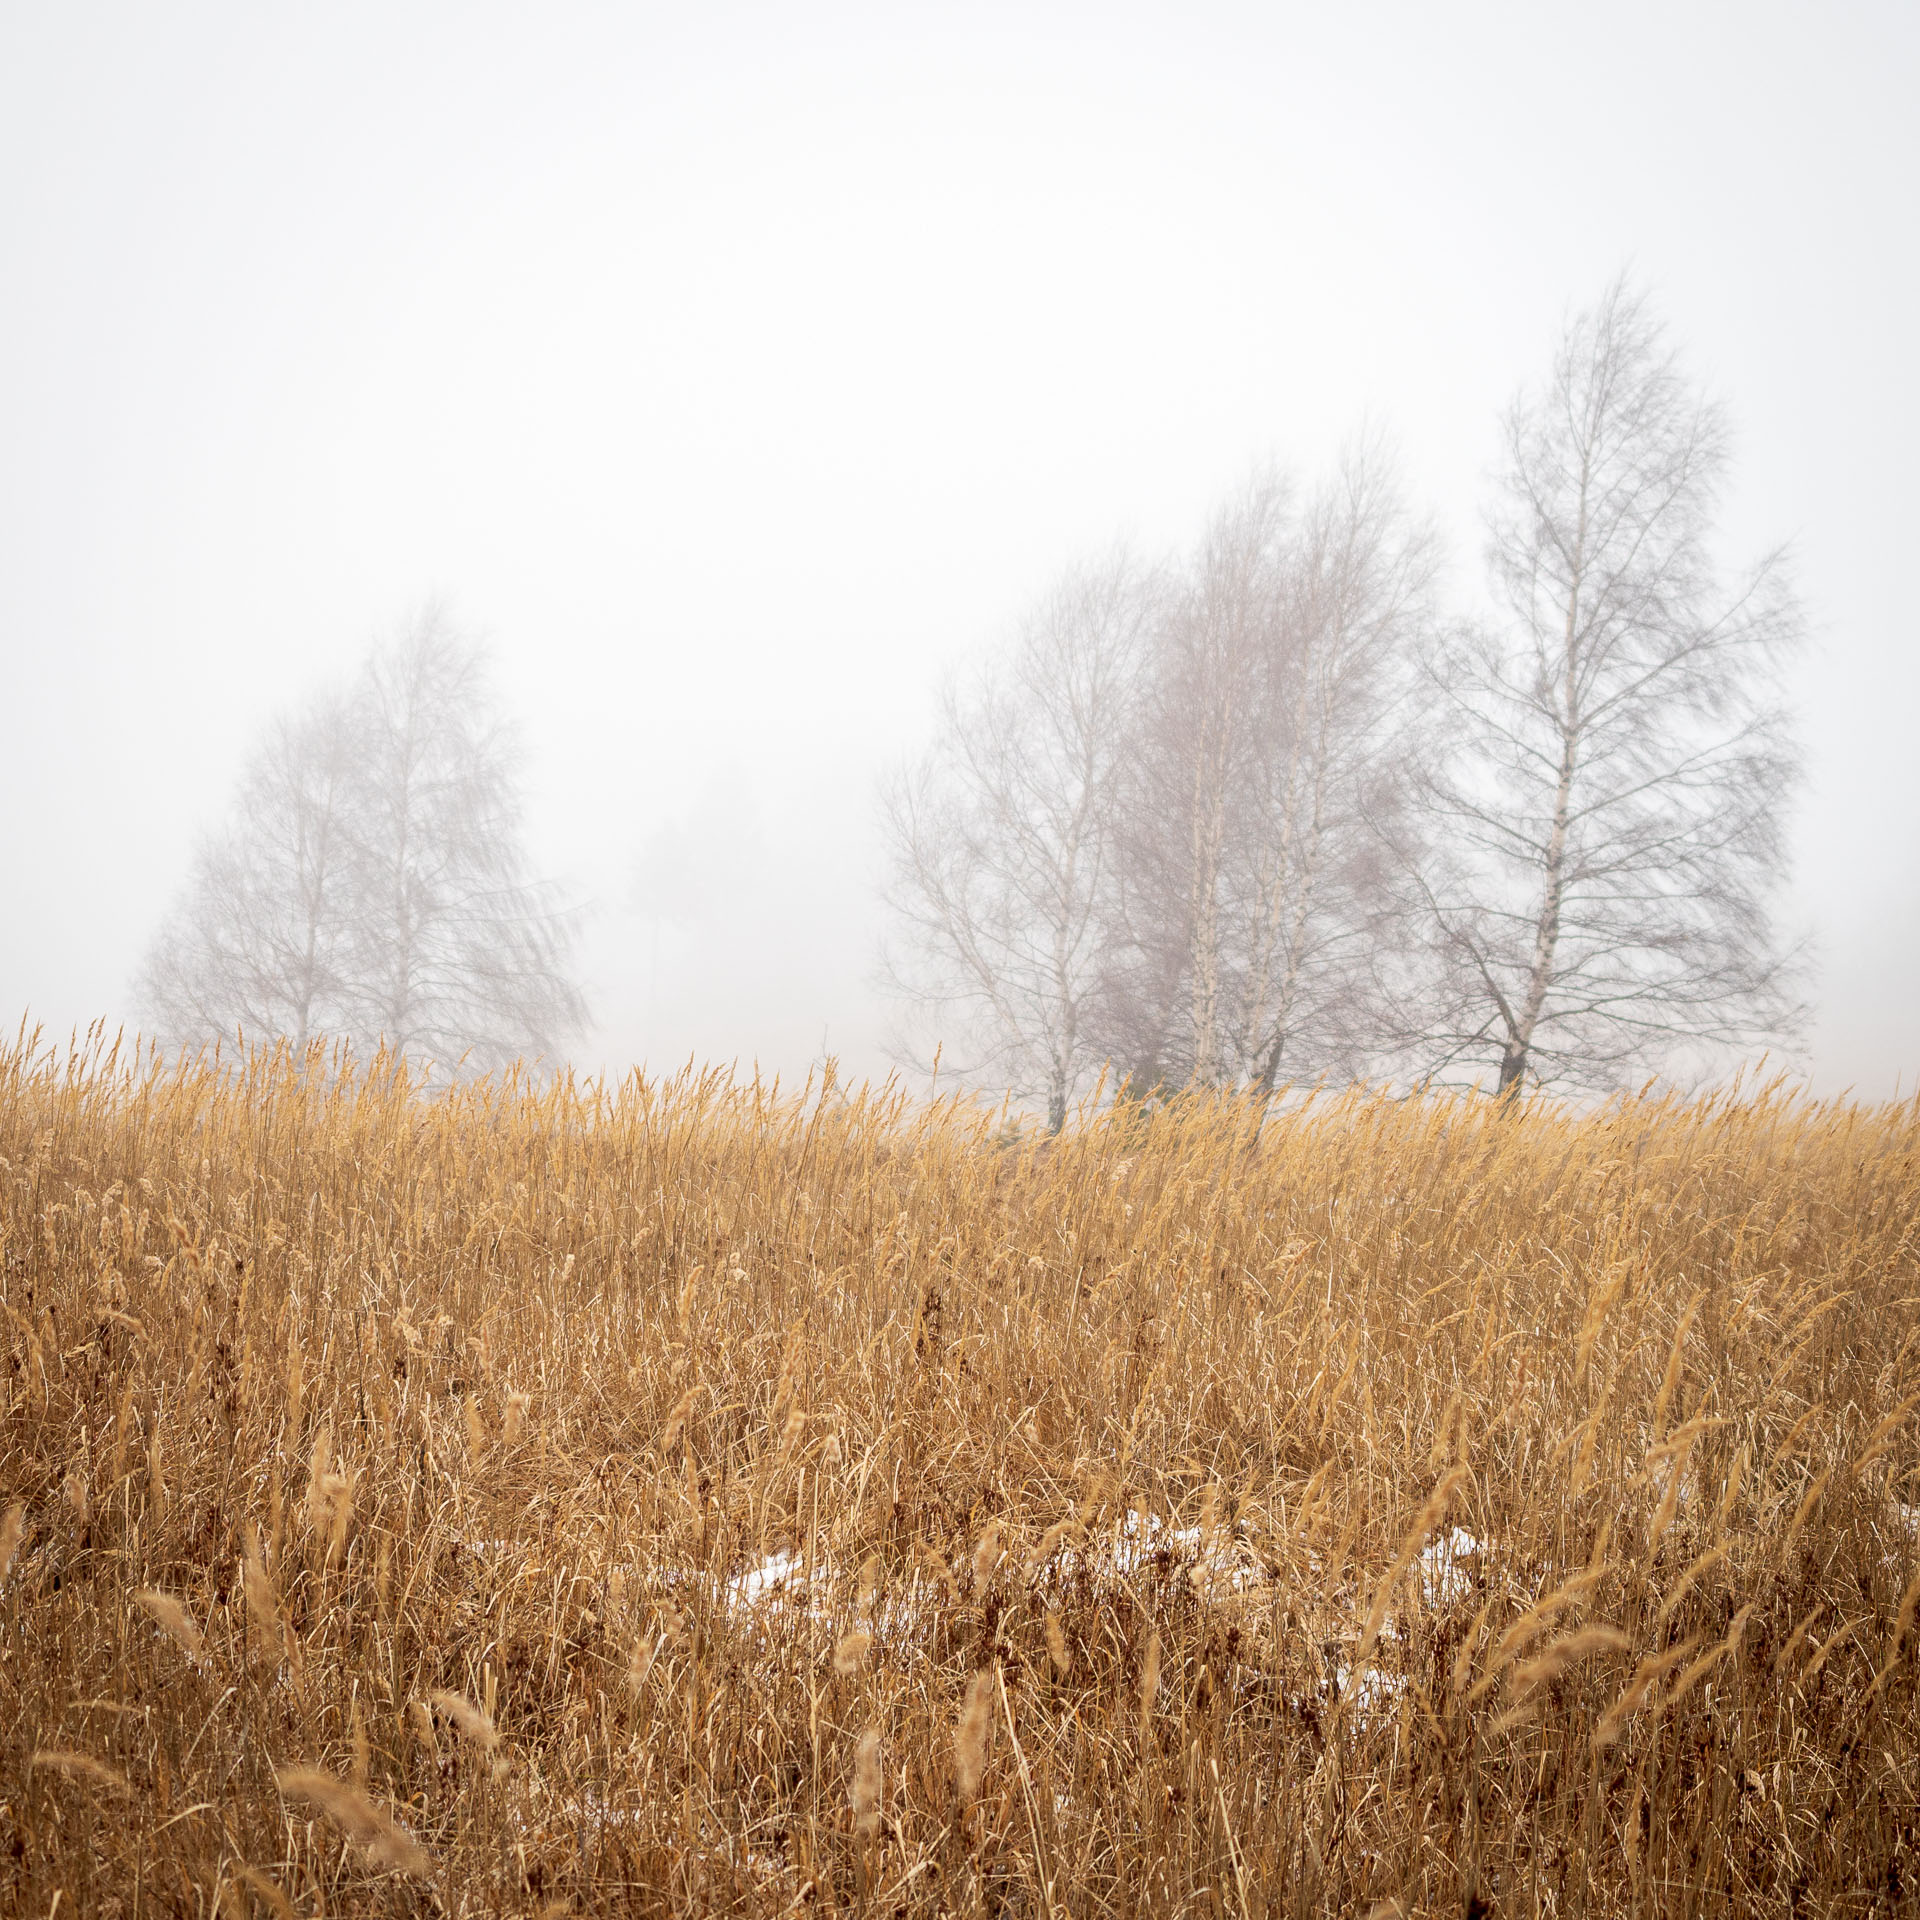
<point x="736" y="375"/>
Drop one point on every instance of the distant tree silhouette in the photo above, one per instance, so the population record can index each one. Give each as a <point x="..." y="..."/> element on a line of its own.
<point x="1155" y="834"/>
<point x="370" y="883"/>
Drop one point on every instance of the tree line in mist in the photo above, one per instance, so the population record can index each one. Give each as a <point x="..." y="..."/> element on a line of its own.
<point x="1273" y="812"/>
<point x="1269" y="813"/>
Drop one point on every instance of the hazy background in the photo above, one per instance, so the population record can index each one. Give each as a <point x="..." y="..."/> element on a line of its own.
<point x="736" y="374"/>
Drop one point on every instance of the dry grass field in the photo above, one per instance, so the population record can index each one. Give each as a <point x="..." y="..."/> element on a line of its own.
<point x="535" y="1500"/>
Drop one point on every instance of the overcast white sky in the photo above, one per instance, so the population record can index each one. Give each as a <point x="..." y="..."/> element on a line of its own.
<point x="738" y="370"/>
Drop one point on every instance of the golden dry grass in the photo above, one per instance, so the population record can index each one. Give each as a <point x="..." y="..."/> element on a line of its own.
<point x="534" y="1500"/>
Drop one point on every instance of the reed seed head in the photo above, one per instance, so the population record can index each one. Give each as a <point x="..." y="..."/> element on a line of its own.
<point x="970" y="1735"/>
<point x="864" y="1794"/>
<point x="173" y="1620"/>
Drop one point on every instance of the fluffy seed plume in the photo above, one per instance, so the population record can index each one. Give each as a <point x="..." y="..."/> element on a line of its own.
<point x="156" y="1476"/>
<point x="373" y="1831"/>
<point x="330" y="1512"/>
<point x="1548" y="1664"/>
<point x="1556" y="1658"/>
<point x="13" y="1529"/>
<point x="850" y="1655"/>
<point x="1212" y="1507"/>
<point x="514" y="1422"/>
<point x="1429" y="1517"/>
<point x="1540" y="1615"/>
<point x="1042" y="1554"/>
<point x="319" y="1506"/>
<point x="473" y="1723"/>
<point x="970" y="1736"/>
<point x="173" y="1620"/>
<point x="1057" y="1646"/>
<point x="986" y="1553"/>
<point x="1149" y="1688"/>
<point x="936" y="1566"/>
<point x="80" y="1766"/>
<point x="256" y="1583"/>
<point x="1708" y="1660"/>
<point x="865" y="1791"/>
<point x="676" y="1422"/>
<point x="640" y="1664"/>
<point x="269" y="1890"/>
<point x="1633" y="1697"/>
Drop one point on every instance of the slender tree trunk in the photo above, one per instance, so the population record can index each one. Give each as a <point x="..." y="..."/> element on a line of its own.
<point x="1300" y="858"/>
<point x="1066" y="998"/>
<point x="1209" y="832"/>
<point x="1289" y="986"/>
<point x="1273" y="891"/>
<point x="1546" y="933"/>
<point x="1546" y="938"/>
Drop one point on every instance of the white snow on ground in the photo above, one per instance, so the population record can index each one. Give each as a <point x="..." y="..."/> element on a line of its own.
<point x="1443" y="1579"/>
<point x="784" y="1588"/>
<point x="1222" y="1563"/>
<point x="780" y="1578"/>
<point x="595" y="1812"/>
<point x="1376" y="1690"/>
<point x="1140" y="1537"/>
<point x="784" y="1583"/>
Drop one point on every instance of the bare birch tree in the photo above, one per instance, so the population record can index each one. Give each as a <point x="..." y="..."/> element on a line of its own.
<point x="1001" y="841"/>
<point x="1614" y="760"/>
<point x="370" y="884"/>
<point x="1195" y="741"/>
<point x="1252" y="879"/>
<point x="457" y="952"/>
<point x="1154" y="840"/>
<point x="1221" y="648"/>
<point x="1323" y="799"/>
<point x="260" y="940"/>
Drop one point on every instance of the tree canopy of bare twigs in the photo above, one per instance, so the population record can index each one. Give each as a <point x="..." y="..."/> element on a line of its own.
<point x="1608" y="779"/>
<point x="1265" y="789"/>
<point x="370" y="884"/>
<point x="1264" y="816"/>
<point x="1152" y="839"/>
<point x="1004" y="841"/>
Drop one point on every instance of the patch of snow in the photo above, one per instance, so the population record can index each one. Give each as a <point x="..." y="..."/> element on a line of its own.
<point x="1376" y="1689"/>
<point x="781" y="1587"/>
<point x="775" y="1575"/>
<point x="1140" y="1539"/>
<point x="1443" y="1579"/>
